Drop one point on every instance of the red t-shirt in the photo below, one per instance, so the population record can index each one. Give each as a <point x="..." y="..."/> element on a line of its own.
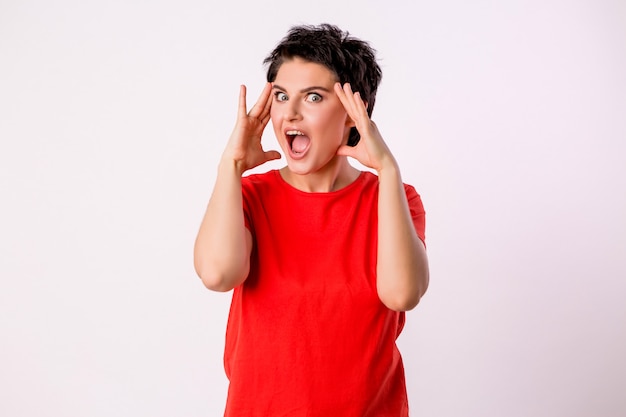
<point x="307" y="334"/>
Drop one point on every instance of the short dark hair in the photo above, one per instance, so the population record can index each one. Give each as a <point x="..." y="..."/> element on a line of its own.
<point x="351" y="59"/>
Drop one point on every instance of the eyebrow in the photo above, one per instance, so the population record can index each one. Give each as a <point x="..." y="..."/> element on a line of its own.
<point x="305" y="90"/>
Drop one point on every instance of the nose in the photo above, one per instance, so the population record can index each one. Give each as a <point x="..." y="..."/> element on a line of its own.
<point x="292" y="110"/>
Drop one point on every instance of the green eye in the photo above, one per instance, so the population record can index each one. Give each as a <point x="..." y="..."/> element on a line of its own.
<point x="314" y="97"/>
<point x="280" y="96"/>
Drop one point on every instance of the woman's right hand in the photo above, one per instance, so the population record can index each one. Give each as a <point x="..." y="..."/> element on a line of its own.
<point x="244" y="146"/>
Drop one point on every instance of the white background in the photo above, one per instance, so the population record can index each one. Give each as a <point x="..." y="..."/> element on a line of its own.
<point x="508" y="117"/>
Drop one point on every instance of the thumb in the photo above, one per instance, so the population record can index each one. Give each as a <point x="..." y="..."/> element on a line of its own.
<point x="345" y="150"/>
<point x="271" y="155"/>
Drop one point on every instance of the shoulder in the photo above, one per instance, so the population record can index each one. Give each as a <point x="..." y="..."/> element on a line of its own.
<point x="370" y="179"/>
<point x="262" y="178"/>
<point x="259" y="182"/>
<point x="411" y="192"/>
<point x="414" y="199"/>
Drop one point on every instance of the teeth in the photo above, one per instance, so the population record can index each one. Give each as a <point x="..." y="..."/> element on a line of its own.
<point x="294" y="133"/>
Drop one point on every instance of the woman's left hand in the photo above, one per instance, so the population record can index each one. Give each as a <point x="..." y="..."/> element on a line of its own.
<point x="371" y="151"/>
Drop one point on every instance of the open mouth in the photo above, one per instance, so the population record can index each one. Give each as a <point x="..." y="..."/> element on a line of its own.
<point x="298" y="141"/>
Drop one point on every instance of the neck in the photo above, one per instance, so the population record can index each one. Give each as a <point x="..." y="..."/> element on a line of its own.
<point x="334" y="176"/>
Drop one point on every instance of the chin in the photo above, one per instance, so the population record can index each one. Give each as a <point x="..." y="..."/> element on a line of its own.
<point x="298" y="169"/>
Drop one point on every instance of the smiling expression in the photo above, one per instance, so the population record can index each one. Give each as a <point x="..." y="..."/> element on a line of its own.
<point x="309" y="121"/>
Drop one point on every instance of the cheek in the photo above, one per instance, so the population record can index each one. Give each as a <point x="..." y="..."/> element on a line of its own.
<point x="275" y="117"/>
<point x="335" y="121"/>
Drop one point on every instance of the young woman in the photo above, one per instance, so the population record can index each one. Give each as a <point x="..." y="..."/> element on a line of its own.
<point x="323" y="258"/>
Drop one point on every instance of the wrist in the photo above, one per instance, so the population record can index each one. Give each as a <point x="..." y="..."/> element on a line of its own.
<point x="388" y="166"/>
<point x="231" y="166"/>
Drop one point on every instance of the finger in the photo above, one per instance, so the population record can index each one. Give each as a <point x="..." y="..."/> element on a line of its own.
<point x="344" y="97"/>
<point x="271" y="155"/>
<point x="355" y="107"/>
<point x="340" y="94"/>
<point x="268" y="103"/>
<point x="359" y="107"/>
<point x="261" y="104"/>
<point x="266" y="119"/>
<point x="345" y="150"/>
<point x="241" y="109"/>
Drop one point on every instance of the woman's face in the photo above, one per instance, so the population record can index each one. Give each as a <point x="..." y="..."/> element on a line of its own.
<point x="309" y="121"/>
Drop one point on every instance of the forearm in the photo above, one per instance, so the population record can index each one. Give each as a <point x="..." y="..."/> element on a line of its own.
<point x="402" y="268"/>
<point x="223" y="245"/>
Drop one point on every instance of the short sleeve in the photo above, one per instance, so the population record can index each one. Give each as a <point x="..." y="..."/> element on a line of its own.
<point x="417" y="211"/>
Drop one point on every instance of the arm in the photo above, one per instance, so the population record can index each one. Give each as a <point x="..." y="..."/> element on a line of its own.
<point x="402" y="264"/>
<point x="402" y="269"/>
<point x="223" y="245"/>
